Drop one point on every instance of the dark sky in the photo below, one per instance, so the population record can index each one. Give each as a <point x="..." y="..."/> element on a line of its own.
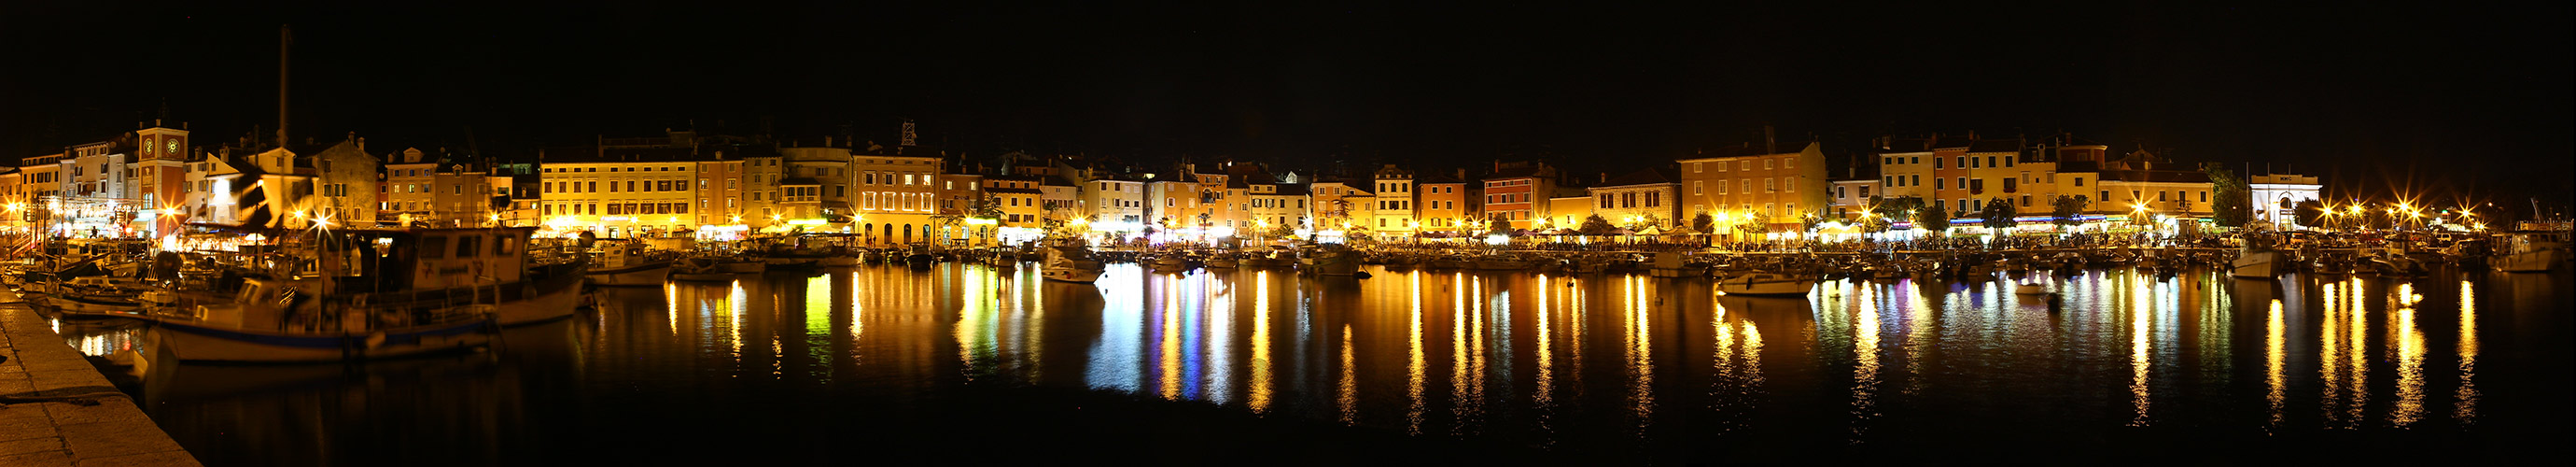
<point x="2472" y="100"/>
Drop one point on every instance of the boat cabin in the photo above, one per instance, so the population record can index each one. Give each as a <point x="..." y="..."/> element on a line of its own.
<point x="432" y="259"/>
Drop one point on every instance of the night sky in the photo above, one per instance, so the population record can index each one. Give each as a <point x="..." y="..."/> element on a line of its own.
<point x="2460" y="100"/>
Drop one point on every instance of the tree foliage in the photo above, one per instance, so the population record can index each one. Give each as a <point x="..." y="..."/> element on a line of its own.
<point x="1999" y="213"/>
<point x="1595" y="225"/>
<point x="2228" y="195"/>
<point x="1702" y="223"/>
<point x="1497" y="224"/>
<point x="2067" y="207"/>
<point x="1931" y="218"/>
<point x="1754" y="222"/>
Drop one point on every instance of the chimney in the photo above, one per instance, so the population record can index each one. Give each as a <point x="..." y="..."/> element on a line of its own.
<point x="1462" y="174"/>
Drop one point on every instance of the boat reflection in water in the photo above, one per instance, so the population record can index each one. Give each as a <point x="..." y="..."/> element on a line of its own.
<point x="801" y="366"/>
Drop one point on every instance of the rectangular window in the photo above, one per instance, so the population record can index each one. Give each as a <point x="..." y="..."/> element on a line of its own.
<point x="433" y="247"/>
<point x="1936" y="162"/>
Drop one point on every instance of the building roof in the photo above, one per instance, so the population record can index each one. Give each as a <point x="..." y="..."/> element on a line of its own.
<point x="1653" y="176"/>
<point x="1996" y="145"/>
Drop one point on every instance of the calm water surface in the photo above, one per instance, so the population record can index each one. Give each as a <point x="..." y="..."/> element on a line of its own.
<point x="964" y="364"/>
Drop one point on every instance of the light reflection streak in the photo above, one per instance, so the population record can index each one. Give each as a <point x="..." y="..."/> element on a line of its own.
<point x="1168" y="335"/>
<point x="2410" y="361"/>
<point x="1543" y="397"/>
<point x="1219" y="326"/>
<point x="1350" y="395"/>
<point x="2273" y="331"/>
<point x="2356" y="354"/>
<point x="858" y="320"/>
<point x="1864" y="370"/>
<point x="2329" y="349"/>
<point x="1471" y="405"/>
<point x="2465" y="406"/>
<point x="1458" y="354"/>
<point x="1260" y="397"/>
<point x="733" y="307"/>
<point x="975" y="326"/>
<point x="818" y="325"/>
<point x="1414" y="365"/>
<point x="1641" y="358"/>
<point x="2139" y="346"/>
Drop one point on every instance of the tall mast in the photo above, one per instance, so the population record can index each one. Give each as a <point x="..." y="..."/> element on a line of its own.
<point x="285" y="43"/>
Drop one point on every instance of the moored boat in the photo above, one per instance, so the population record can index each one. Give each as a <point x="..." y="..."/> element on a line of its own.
<point x="1070" y="262"/>
<point x="1766" y="284"/>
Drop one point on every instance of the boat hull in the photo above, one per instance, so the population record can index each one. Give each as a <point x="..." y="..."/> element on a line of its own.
<point x="702" y="276"/>
<point x="2529" y="261"/>
<point x="1073" y="275"/>
<point x="744" y="267"/>
<point x="1766" y="286"/>
<point x="644" y="275"/>
<point x="192" y="343"/>
<point x="1337" y="266"/>
<point x="545" y="306"/>
<point x="2261" y="264"/>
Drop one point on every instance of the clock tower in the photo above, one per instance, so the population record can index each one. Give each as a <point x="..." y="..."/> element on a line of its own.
<point x="160" y="142"/>
<point x="161" y="177"/>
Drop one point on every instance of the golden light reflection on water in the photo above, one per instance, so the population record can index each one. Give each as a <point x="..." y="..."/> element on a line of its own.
<point x="1641" y="350"/>
<point x="2330" y="351"/>
<point x="1414" y="366"/>
<point x="1168" y="338"/>
<point x="1864" y="368"/>
<point x="1461" y="404"/>
<point x="2140" y="330"/>
<point x="1260" y="397"/>
<point x="2465" y="405"/>
<point x="1350" y="385"/>
<point x="732" y="308"/>
<point x="1543" y="395"/>
<point x="974" y="325"/>
<point x="2356" y="355"/>
<point x="1218" y="329"/>
<point x="2274" y="332"/>
<point x="858" y="321"/>
<point x="2410" y="361"/>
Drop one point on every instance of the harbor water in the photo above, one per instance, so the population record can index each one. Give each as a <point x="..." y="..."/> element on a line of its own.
<point x="962" y="363"/>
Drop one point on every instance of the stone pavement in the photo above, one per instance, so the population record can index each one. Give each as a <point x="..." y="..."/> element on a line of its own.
<point x="38" y="432"/>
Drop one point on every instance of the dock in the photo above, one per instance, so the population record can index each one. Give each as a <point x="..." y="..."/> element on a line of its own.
<point x="56" y="409"/>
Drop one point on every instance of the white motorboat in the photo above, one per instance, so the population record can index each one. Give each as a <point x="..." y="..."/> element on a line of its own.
<point x="2258" y="260"/>
<point x="1331" y="260"/>
<point x="1766" y="284"/>
<point x="2529" y="253"/>
<point x="623" y="264"/>
<point x="1070" y="262"/>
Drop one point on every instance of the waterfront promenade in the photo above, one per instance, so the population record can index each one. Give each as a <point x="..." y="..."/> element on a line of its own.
<point x="57" y="410"/>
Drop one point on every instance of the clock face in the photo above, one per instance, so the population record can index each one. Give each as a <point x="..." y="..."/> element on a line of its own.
<point x="173" y="146"/>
